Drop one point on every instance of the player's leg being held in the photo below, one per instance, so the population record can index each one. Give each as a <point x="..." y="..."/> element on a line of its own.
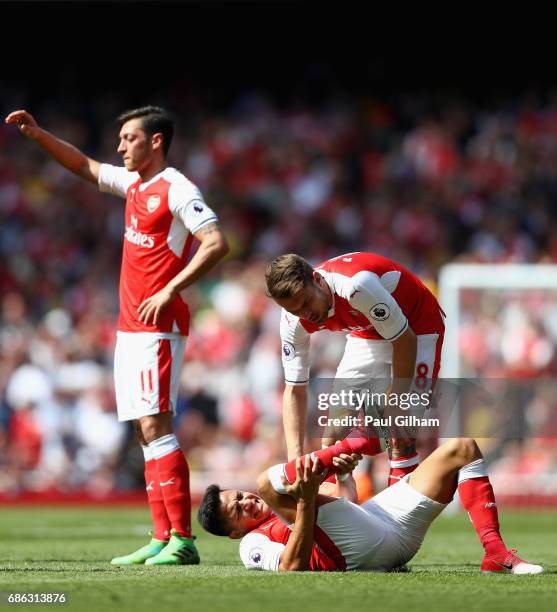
<point x="458" y="464"/>
<point x="356" y="442"/>
<point x="365" y="368"/>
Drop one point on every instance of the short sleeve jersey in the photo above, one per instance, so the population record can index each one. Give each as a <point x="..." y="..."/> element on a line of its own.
<point x="161" y="217"/>
<point x="261" y="549"/>
<point x="373" y="298"/>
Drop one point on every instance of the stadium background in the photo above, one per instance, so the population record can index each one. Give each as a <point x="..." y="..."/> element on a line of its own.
<point x="302" y="142"/>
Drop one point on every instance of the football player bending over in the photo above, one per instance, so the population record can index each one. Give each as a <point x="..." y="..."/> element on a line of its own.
<point x="290" y="526"/>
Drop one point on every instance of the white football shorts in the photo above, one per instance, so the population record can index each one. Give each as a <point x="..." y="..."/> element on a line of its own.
<point x="367" y="365"/>
<point x="372" y="360"/>
<point x="384" y="532"/>
<point x="408" y="512"/>
<point x="146" y="373"/>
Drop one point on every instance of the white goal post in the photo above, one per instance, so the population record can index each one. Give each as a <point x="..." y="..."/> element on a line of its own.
<point x="454" y="277"/>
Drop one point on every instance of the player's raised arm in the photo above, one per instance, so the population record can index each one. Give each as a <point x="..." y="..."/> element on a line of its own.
<point x="63" y="152"/>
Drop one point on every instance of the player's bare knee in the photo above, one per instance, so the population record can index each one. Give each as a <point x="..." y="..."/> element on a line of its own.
<point x="464" y="450"/>
<point x="155" y="426"/>
<point x="468" y="450"/>
<point x="149" y="431"/>
<point x="139" y="433"/>
<point x="152" y="430"/>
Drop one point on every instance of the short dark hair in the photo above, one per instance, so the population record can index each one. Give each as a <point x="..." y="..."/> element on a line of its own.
<point x="286" y="275"/>
<point x="154" y="119"/>
<point x="209" y="515"/>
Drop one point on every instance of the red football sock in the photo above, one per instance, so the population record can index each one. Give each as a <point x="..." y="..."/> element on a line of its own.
<point x="402" y="466"/>
<point x="354" y="443"/>
<point x="174" y="479"/>
<point x="161" y="524"/>
<point x="478" y="499"/>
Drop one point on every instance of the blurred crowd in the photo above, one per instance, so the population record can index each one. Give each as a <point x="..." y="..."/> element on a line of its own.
<point x="422" y="183"/>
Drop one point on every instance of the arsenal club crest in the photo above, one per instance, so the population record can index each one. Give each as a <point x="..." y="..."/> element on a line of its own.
<point x="153" y="203"/>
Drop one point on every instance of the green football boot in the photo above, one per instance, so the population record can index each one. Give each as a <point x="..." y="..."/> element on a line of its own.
<point x="178" y="551"/>
<point x="140" y="556"/>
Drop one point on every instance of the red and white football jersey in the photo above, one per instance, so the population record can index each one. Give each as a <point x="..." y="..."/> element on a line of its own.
<point x="262" y="548"/>
<point x="373" y="298"/>
<point x="161" y="217"/>
<point x="346" y="537"/>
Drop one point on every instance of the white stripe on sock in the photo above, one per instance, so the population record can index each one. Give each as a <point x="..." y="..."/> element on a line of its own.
<point x="476" y="469"/>
<point x="400" y="463"/>
<point x="147" y="453"/>
<point x="163" y="446"/>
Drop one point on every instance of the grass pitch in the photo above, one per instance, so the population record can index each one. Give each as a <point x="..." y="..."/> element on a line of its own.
<point x="62" y="549"/>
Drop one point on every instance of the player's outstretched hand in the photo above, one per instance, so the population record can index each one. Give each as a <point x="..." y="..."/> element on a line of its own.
<point x="308" y="479"/>
<point x="150" y="309"/>
<point x="24" y="121"/>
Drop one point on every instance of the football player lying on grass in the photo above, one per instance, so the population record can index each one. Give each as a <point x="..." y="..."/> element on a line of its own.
<point x="290" y="526"/>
